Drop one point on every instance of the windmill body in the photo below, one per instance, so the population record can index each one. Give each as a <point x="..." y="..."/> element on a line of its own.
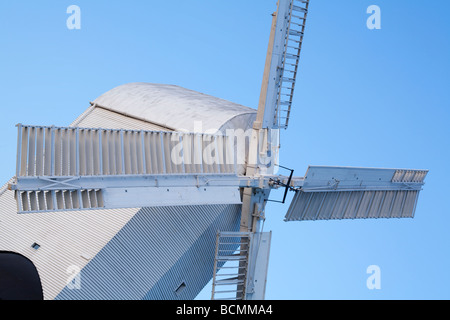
<point x="129" y="253"/>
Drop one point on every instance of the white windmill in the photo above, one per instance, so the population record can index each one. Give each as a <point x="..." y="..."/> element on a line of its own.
<point x="151" y="203"/>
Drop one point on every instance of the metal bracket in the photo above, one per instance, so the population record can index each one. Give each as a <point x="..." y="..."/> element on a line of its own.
<point x="287" y="186"/>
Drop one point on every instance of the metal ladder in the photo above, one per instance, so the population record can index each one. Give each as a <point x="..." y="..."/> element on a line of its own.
<point x="231" y="258"/>
<point x="292" y="50"/>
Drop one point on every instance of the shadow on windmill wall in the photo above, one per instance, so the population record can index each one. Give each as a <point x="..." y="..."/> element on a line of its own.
<point x="19" y="279"/>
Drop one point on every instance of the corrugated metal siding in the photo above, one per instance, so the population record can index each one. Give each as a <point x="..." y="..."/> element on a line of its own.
<point x="195" y="268"/>
<point x="155" y="252"/>
<point x="63" y="238"/>
<point x="352" y="205"/>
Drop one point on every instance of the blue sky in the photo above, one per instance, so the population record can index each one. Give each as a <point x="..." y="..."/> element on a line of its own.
<point x="372" y="98"/>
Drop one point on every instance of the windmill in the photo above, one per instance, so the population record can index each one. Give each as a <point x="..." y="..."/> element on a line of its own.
<point x="173" y="191"/>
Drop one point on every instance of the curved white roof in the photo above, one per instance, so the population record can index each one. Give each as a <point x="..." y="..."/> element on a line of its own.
<point x="176" y="108"/>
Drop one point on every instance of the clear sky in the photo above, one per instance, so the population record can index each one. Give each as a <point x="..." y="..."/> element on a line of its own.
<point x="369" y="98"/>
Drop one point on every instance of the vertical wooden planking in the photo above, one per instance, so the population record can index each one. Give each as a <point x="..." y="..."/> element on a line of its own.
<point x="112" y="152"/>
<point x="230" y="154"/>
<point x="24" y="152"/>
<point x="41" y="201"/>
<point x="117" y="152"/>
<point x="105" y="152"/>
<point x="24" y="200"/>
<point x="194" y="168"/>
<point x="181" y="153"/>
<point x="32" y="152"/>
<point x="65" y="156"/>
<point x="100" y="151"/>
<point x="40" y="152"/>
<point x="93" y="199"/>
<point x="33" y="201"/>
<point x="220" y="154"/>
<point x="48" y="152"/>
<point x="59" y="200"/>
<point x="122" y="153"/>
<point x="140" y="154"/>
<point x="151" y="156"/>
<point x="100" y="202"/>
<point x="19" y="151"/>
<point x="208" y="156"/>
<point x="89" y="159"/>
<point x="82" y="152"/>
<point x="216" y="164"/>
<point x="174" y="154"/>
<point x="85" y="199"/>
<point x="67" y="200"/>
<point x="95" y="152"/>
<point x="186" y="140"/>
<point x="158" y="153"/>
<point x="75" y="200"/>
<point x="143" y="165"/>
<point x="77" y="152"/>
<point x="133" y="152"/>
<point x="73" y="152"/>
<point x="127" y="152"/>
<point x="166" y="146"/>
<point x="49" y="200"/>
<point x="148" y="154"/>
<point x="198" y="153"/>
<point x="57" y="153"/>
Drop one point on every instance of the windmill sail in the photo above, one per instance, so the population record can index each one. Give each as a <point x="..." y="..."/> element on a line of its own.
<point x="60" y="169"/>
<point x="330" y="193"/>
<point x="282" y="64"/>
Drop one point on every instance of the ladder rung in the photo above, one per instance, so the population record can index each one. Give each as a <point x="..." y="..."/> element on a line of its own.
<point x="291" y="56"/>
<point x="230" y="250"/>
<point x="296" y="33"/>
<point x="298" y="17"/>
<point x="228" y="282"/>
<point x="298" y="24"/>
<point x="218" y="283"/>
<point x="288" y="79"/>
<point x="228" y="291"/>
<point x="295" y="40"/>
<point x="299" y="9"/>
<point x="230" y="274"/>
<point x="237" y="267"/>
<point x="230" y="242"/>
<point x="231" y="258"/>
